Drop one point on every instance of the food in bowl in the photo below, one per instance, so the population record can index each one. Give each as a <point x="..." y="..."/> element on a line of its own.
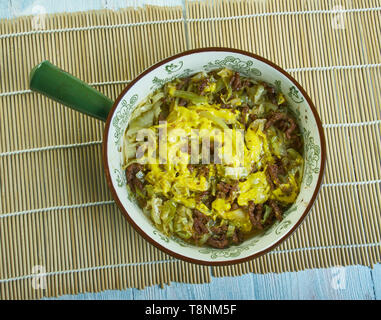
<point x="214" y="158"/>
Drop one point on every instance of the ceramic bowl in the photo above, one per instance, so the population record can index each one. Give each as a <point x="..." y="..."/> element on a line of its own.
<point x="183" y="65"/>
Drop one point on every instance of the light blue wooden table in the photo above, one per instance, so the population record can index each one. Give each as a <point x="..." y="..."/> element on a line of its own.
<point x="355" y="282"/>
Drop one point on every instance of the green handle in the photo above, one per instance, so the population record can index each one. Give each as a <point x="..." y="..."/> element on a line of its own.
<point x="61" y="86"/>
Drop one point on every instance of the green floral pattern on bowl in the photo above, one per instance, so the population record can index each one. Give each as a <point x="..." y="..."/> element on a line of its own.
<point x="121" y="117"/>
<point x="159" y="82"/>
<point x="312" y="157"/>
<point x="231" y="252"/>
<point x="242" y="66"/>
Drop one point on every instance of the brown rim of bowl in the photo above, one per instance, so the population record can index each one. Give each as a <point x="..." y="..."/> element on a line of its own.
<point x="153" y="241"/>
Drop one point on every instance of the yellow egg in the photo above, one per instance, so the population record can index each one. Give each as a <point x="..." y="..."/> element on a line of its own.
<point x="254" y="143"/>
<point x="257" y="143"/>
<point x="281" y="98"/>
<point x="239" y="218"/>
<point x="255" y="188"/>
<point x="188" y="202"/>
<point x="239" y="151"/>
<point x="281" y="193"/>
<point x="210" y="88"/>
<point x="220" y="205"/>
<point x="228" y="115"/>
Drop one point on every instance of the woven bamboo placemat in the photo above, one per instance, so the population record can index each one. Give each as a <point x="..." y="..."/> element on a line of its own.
<point x="56" y="211"/>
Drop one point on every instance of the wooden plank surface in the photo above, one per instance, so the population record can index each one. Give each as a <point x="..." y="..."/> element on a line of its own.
<point x="355" y="282"/>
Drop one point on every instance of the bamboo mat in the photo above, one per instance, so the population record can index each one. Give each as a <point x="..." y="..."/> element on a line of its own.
<point x="56" y="211"/>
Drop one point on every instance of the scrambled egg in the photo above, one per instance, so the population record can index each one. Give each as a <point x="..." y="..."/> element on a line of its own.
<point x="239" y="218"/>
<point x="238" y="150"/>
<point x="287" y="192"/>
<point x="255" y="188"/>
<point x="256" y="141"/>
<point x="221" y="205"/>
<point x="213" y="154"/>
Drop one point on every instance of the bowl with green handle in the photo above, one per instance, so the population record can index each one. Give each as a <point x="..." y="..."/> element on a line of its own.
<point x="60" y="86"/>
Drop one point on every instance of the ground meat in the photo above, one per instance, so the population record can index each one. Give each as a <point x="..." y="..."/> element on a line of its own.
<point x="235" y="206"/>
<point x="209" y="200"/>
<point x="235" y="82"/>
<point x="226" y="190"/>
<point x="280" y="166"/>
<point x="276" y="209"/>
<point x="202" y="86"/>
<point x="220" y="195"/>
<point x="226" y="106"/>
<point x="199" y="215"/>
<point x="203" y="171"/>
<point x="274" y="170"/>
<point x="224" y="187"/>
<point x="233" y="190"/>
<point x="203" y="196"/>
<point x="132" y="180"/>
<point x="245" y="111"/>
<point x="199" y="228"/>
<point x="269" y="180"/>
<point x="237" y="237"/>
<point x="218" y="242"/>
<point x="287" y="190"/>
<point x="247" y="83"/>
<point x="252" y="118"/>
<point x="218" y="239"/>
<point x="255" y="214"/>
<point x="190" y="150"/>
<point x="164" y="113"/>
<point x="211" y="148"/>
<point x="271" y="93"/>
<point x="219" y="231"/>
<point x="166" y="100"/>
<point x="183" y="84"/>
<point x="214" y="158"/>
<point x="297" y="143"/>
<point x="199" y="223"/>
<point x="183" y="102"/>
<point x="162" y="116"/>
<point x="284" y="122"/>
